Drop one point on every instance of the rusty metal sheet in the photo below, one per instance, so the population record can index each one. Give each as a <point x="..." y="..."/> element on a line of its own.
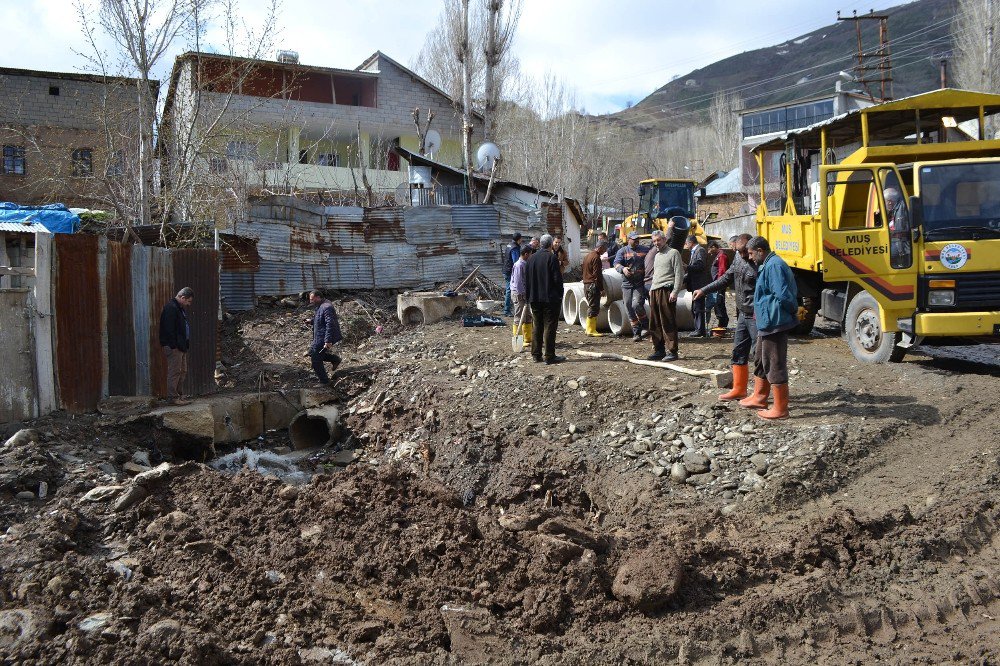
<point x="395" y="266"/>
<point x="273" y="238"/>
<point x="516" y="218"/>
<point x="79" y="338"/>
<point x="351" y="271"/>
<point x="437" y="269"/>
<point x="199" y="269"/>
<point x="18" y="395"/>
<point x="384" y="225"/>
<point x="237" y="291"/>
<point x="121" y="337"/>
<point x="161" y="289"/>
<point x="346" y="227"/>
<point x="475" y="222"/>
<point x="309" y="245"/>
<point x="429" y="225"/>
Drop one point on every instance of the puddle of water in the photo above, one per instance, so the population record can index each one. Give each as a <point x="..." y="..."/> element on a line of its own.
<point x="283" y="466"/>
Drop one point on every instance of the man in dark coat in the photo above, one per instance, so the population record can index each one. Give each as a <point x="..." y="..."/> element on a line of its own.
<point x="545" y="291"/>
<point x="697" y="277"/>
<point x="511" y="253"/>
<point x="326" y="333"/>
<point x="175" y="339"/>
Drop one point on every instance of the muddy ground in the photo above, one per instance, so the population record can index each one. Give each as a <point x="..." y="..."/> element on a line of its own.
<point x="508" y="512"/>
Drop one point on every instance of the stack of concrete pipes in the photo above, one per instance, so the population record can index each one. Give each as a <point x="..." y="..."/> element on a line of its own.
<point x="613" y="317"/>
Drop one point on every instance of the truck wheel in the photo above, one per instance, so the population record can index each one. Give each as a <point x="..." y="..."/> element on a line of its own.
<point x="809" y="307"/>
<point x="868" y="342"/>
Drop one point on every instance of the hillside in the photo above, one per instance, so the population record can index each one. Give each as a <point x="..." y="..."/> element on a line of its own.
<point x="806" y="65"/>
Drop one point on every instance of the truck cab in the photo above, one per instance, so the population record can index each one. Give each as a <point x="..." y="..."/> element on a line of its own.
<point x="899" y="241"/>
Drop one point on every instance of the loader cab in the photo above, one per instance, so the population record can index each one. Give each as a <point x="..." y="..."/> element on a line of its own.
<point x="663" y="198"/>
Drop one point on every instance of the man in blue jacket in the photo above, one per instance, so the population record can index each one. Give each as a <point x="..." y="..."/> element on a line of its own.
<point x="776" y="305"/>
<point x="326" y="333"/>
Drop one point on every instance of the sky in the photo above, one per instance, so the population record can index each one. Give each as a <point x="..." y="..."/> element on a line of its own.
<point x="608" y="52"/>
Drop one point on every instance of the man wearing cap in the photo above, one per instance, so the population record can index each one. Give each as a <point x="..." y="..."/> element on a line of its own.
<point x="776" y="305"/>
<point x="631" y="263"/>
<point x="510" y="255"/>
<point x="742" y="276"/>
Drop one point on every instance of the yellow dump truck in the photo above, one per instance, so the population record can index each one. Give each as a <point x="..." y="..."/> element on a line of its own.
<point x="659" y="200"/>
<point x="889" y="217"/>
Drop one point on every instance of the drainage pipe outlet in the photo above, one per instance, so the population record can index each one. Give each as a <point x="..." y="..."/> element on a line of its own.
<point x="314" y="427"/>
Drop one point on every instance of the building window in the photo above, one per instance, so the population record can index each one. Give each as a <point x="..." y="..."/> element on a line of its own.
<point x="54" y="91"/>
<point x="303" y="157"/>
<point x="13" y="160"/>
<point x="218" y="165"/>
<point x="242" y="150"/>
<point x="83" y="162"/>
<point x="116" y="165"/>
<point x="328" y="159"/>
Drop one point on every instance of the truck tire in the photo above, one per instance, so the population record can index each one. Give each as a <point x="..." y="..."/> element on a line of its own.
<point x="863" y="330"/>
<point x="810" y="306"/>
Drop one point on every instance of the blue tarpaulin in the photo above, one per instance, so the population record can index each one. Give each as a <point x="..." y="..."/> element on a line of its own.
<point x="55" y="217"/>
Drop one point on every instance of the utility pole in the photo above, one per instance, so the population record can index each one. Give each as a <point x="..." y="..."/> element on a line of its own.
<point x="880" y="56"/>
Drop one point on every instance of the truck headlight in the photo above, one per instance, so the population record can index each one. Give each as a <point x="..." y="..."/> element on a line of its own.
<point x="940" y="297"/>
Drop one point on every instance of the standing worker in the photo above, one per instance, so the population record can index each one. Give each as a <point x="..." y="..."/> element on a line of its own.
<point x="511" y="252"/>
<point x="720" y="264"/>
<point x="611" y="251"/>
<point x="776" y="305"/>
<point x="742" y="276"/>
<point x="519" y="291"/>
<point x="560" y="252"/>
<point x="631" y="263"/>
<point x="545" y="291"/>
<point x="668" y="277"/>
<point x="697" y="277"/>
<point x="326" y="333"/>
<point x="593" y="285"/>
<point x="175" y="339"/>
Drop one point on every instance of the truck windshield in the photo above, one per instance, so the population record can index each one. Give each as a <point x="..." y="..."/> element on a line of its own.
<point x="960" y="201"/>
<point x="667" y="199"/>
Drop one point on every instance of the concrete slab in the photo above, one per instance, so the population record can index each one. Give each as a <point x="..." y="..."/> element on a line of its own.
<point x="427" y="307"/>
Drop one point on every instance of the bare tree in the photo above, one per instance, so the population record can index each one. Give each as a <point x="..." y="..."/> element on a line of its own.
<point x="976" y="58"/>
<point x="724" y="114"/>
<point x="422" y="130"/>
<point x="501" y="25"/>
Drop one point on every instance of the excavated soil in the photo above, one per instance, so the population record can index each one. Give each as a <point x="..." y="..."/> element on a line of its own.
<point x="506" y="512"/>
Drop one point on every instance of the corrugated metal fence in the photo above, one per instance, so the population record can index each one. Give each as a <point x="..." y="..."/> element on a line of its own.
<point x="288" y="246"/>
<point x="107" y="302"/>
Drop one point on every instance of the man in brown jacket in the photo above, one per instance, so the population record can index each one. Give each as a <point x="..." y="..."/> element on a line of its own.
<point x="593" y="285"/>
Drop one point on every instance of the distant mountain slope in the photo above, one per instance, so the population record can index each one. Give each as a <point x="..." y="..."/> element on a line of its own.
<point x="805" y="66"/>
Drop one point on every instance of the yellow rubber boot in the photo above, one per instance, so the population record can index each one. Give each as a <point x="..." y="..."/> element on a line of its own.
<point x="592" y="328"/>
<point x="527" y="333"/>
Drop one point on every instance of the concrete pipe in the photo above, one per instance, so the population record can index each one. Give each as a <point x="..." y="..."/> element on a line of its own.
<point x="572" y="294"/>
<point x="685" y="320"/>
<point x="618" y="321"/>
<point x="315" y="427"/>
<point x="612" y="285"/>
<point x="603" y="325"/>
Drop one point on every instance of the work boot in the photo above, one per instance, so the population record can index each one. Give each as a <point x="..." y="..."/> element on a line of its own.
<point x="592" y="328"/>
<point x="659" y="353"/>
<point x="526" y="330"/>
<point x="761" y="389"/>
<point x="671" y="356"/>
<point x="554" y="360"/>
<point x="780" y="408"/>
<point x="740" y="376"/>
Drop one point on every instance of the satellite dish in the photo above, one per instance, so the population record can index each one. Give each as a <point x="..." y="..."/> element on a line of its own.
<point x="432" y="141"/>
<point x="486" y="155"/>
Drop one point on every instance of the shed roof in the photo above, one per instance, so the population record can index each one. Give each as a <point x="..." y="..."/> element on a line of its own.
<point x="23" y="228"/>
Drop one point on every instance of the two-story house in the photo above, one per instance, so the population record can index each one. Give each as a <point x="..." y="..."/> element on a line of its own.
<point x="66" y="138"/>
<point x="245" y="126"/>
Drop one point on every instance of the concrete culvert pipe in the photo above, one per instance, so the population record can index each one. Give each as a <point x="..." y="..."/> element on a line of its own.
<point x="685" y="320"/>
<point x="603" y="325"/>
<point x="612" y="285"/>
<point x="618" y="320"/>
<point x="572" y="294"/>
<point x="314" y="427"/>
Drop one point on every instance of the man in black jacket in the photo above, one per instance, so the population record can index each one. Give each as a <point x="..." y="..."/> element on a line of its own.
<point x="175" y="338"/>
<point x="511" y="253"/>
<point x="697" y="277"/>
<point x="326" y="333"/>
<point x="544" y="283"/>
<point x="742" y="276"/>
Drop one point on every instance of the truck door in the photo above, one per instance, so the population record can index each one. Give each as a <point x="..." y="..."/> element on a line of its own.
<point x="866" y="235"/>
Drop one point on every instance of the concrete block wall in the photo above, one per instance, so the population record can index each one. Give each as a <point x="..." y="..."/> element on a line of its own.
<point x="26" y="100"/>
